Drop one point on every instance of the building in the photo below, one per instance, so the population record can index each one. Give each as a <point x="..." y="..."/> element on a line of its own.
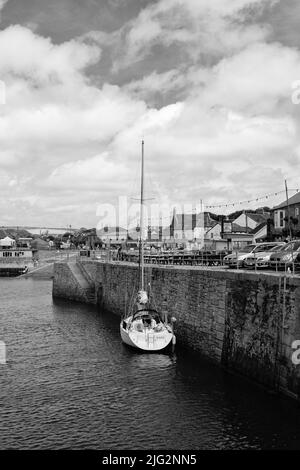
<point x="245" y="229"/>
<point x="7" y="242"/>
<point x="190" y="227"/>
<point x="214" y="232"/>
<point x="112" y="234"/>
<point x="14" y="260"/>
<point x="238" y="237"/>
<point x="182" y="227"/>
<point x="250" y="220"/>
<point x="261" y="232"/>
<point x="24" y="242"/>
<point x="286" y="217"/>
<point x="213" y="239"/>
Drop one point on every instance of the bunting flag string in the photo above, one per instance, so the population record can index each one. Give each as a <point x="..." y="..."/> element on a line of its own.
<point x="248" y="201"/>
<point x="239" y="203"/>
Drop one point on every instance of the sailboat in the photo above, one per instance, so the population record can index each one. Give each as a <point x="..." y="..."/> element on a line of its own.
<point x="144" y="327"/>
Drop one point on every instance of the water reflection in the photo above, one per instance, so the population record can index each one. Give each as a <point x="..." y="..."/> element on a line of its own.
<point x="71" y="383"/>
<point x="150" y="362"/>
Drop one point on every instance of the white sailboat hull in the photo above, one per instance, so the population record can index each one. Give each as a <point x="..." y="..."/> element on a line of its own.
<point x="142" y="330"/>
<point x="146" y="340"/>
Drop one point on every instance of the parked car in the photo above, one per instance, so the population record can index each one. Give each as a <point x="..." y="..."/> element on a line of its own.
<point x="237" y="260"/>
<point x="65" y="246"/>
<point x="260" y="259"/>
<point x="297" y="262"/>
<point x="286" y="257"/>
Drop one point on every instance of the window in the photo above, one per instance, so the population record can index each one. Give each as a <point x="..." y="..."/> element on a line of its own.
<point x="247" y="249"/>
<point x="296" y="211"/>
<point x="281" y="218"/>
<point x="211" y="235"/>
<point x="260" y="249"/>
<point x="278" y="248"/>
<point x="269" y="247"/>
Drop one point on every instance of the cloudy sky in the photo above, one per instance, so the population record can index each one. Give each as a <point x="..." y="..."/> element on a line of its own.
<point x="206" y="83"/>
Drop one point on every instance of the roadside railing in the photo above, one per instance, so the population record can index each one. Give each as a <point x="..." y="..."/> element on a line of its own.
<point x="177" y="258"/>
<point x="291" y="267"/>
<point x="100" y="255"/>
<point x="172" y="258"/>
<point x="197" y="258"/>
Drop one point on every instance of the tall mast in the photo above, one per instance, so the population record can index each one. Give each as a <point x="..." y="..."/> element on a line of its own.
<point x="142" y="219"/>
<point x="288" y="210"/>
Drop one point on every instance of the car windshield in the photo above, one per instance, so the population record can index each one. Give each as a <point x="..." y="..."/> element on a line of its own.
<point x="277" y="248"/>
<point x="247" y="249"/>
<point x="261" y="248"/>
<point x="293" y="246"/>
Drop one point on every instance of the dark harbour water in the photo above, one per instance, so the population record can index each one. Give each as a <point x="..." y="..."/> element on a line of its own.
<point x="69" y="382"/>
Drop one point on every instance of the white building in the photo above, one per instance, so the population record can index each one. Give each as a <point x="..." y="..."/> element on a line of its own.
<point x="214" y="232"/>
<point x="7" y="242"/>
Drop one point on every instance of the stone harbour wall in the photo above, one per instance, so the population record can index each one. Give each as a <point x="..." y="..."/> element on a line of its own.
<point x="68" y="285"/>
<point x="244" y="321"/>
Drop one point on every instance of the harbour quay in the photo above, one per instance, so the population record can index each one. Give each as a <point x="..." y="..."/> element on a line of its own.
<point x="246" y="322"/>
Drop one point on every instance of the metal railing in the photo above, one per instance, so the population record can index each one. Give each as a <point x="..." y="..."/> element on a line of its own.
<point x="209" y="259"/>
<point x="171" y="258"/>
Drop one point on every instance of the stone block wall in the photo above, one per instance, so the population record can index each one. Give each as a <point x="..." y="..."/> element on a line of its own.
<point x="244" y="321"/>
<point x="66" y="285"/>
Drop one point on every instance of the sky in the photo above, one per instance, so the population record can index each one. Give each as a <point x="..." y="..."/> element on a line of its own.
<point x="207" y="84"/>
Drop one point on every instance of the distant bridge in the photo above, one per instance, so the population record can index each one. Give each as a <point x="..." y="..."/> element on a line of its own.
<point x="40" y="230"/>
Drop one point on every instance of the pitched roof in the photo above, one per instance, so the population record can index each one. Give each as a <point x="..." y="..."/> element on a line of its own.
<point x="259" y="227"/>
<point x="208" y="220"/>
<point x="239" y="229"/>
<point x="258" y="218"/>
<point x="292" y="200"/>
<point x="6" y="239"/>
<point x="212" y="226"/>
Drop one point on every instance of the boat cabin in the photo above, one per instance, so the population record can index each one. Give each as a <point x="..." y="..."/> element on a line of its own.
<point x="18" y="256"/>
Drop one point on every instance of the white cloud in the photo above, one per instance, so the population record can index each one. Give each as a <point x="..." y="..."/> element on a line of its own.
<point x="100" y="117"/>
<point x="202" y="27"/>
<point x="68" y="144"/>
<point x="96" y="172"/>
<point x="255" y="79"/>
<point x="25" y="54"/>
<point x="161" y="83"/>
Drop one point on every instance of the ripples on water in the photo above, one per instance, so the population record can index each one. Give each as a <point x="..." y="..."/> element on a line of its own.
<point x="69" y="382"/>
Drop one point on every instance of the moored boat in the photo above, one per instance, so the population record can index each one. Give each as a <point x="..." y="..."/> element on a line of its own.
<point x="14" y="261"/>
<point x="12" y="270"/>
<point x="145" y="328"/>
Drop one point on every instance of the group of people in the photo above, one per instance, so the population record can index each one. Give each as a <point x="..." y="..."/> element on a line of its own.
<point x="145" y="323"/>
